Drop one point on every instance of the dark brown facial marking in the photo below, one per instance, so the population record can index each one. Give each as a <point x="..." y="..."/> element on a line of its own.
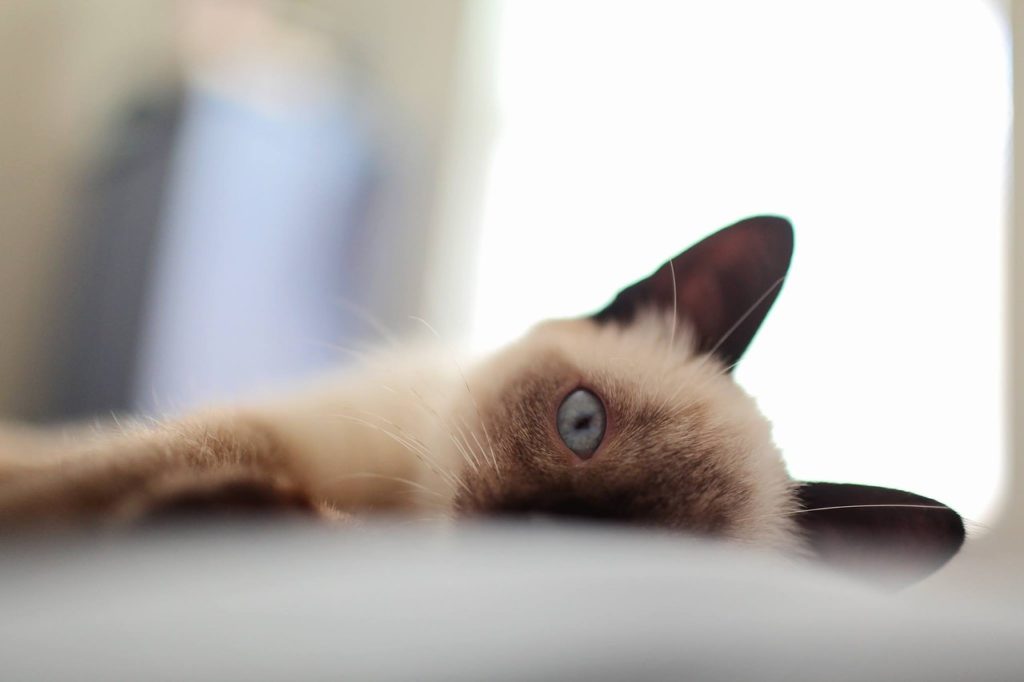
<point x="656" y="465"/>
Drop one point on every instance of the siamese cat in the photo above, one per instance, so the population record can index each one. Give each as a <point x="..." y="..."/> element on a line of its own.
<point x="628" y="415"/>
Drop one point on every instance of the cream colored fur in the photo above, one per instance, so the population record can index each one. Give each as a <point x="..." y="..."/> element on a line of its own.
<point x="399" y="432"/>
<point x="413" y="432"/>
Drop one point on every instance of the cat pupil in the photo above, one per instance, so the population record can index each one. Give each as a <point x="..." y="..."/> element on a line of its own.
<point x="581" y="422"/>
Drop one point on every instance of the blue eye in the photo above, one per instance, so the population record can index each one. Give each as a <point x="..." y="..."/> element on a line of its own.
<point x="581" y="422"/>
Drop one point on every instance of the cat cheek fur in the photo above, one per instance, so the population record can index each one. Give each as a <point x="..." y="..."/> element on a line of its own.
<point x="689" y="450"/>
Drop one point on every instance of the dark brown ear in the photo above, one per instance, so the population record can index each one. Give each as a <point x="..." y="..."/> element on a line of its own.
<point x="722" y="286"/>
<point x="891" y="536"/>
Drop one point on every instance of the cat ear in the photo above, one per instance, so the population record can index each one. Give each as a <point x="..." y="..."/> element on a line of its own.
<point x="891" y="536"/>
<point x="722" y="286"/>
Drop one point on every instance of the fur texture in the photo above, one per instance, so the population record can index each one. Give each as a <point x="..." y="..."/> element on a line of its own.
<point x="413" y="432"/>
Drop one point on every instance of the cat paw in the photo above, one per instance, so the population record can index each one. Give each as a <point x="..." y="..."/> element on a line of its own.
<point x="229" y="495"/>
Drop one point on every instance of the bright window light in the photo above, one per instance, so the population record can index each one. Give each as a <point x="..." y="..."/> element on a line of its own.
<point x="630" y="130"/>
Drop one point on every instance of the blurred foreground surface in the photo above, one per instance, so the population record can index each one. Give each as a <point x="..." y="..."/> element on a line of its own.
<point x="479" y="602"/>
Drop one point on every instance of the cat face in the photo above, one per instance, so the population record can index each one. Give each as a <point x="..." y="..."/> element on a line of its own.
<point x="632" y="415"/>
<point x="626" y="424"/>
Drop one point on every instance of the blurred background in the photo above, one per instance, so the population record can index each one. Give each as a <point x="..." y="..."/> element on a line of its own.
<point x="204" y="198"/>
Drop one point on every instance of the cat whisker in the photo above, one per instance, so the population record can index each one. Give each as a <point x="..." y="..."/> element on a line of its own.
<point x="467" y="452"/>
<point x="971" y="526"/>
<point x="369" y="318"/>
<point x="749" y="311"/>
<point x="795" y="512"/>
<point x="724" y="371"/>
<point x="462" y="443"/>
<point x="463" y="448"/>
<point x="710" y="355"/>
<point x="420" y="451"/>
<point x="426" y="324"/>
<point x="675" y="304"/>
<point x="938" y="507"/>
<point x="483" y="452"/>
<point x="494" y="461"/>
<point x="465" y="383"/>
<point x="483" y="423"/>
<point x="490" y="444"/>
<point x="970" y="523"/>
<point x="117" y="421"/>
<point x="398" y="429"/>
<point x="867" y="506"/>
<point x="369" y="474"/>
<point x="361" y="356"/>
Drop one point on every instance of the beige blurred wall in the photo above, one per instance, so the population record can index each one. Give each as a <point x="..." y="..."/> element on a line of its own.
<point x="1014" y="519"/>
<point x="1007" y="537"/>
<point x="415" y="52"/>
<point x="67" y="65"/>
<point x="993" y="564"/>
<point x="64" y="64"/>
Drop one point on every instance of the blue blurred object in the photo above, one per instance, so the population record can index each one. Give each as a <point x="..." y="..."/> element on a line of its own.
<point x="261" y="228"/>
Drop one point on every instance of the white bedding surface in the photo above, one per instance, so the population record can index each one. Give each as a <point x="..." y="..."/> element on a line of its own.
<point x="409" y="602"/>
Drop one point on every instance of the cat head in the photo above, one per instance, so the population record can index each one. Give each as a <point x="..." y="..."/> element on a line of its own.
<point x="632" y="415"/>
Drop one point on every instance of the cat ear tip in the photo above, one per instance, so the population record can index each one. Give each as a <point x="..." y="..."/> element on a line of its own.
<point x="775" y="230"/>
<point x="956" y="525"/>
<point x="775" y="220"/>
<point x="781" y="225"/>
